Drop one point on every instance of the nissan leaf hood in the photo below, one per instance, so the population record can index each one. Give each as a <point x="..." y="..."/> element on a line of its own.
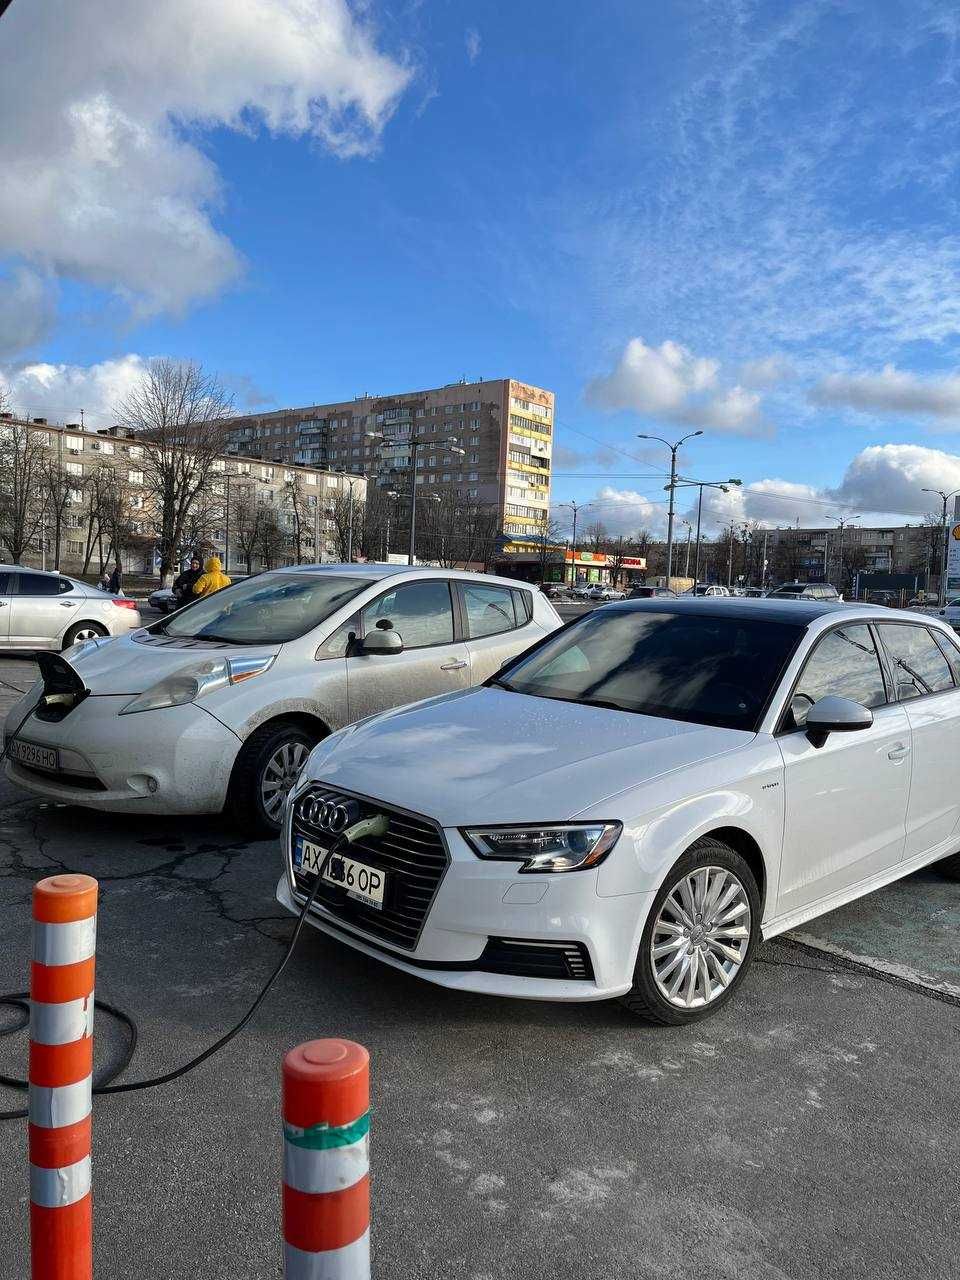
<point x="131" y="663"/>
<point x="488" y="755"/>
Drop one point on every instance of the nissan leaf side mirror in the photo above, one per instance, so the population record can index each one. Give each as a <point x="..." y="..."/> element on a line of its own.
<point x="383" y="642"/>
<point x="835" y="715"/>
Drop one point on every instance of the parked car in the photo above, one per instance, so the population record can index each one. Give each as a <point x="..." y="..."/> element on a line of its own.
<point x="804" y="591"/>
<point x="702" y="589"/>
<point x="40" y="610"/>
<point x="163" y="599"/>
<point x="602" y="594"/>
<point x="649" y="593"/>
<point x="556" y="591"/>
<point x="581" y="590"/>
<point x="629" y="807"/>
<point x="950" y="613"/>
<point x="752" y="593"/>
<point x="218" y="705"/>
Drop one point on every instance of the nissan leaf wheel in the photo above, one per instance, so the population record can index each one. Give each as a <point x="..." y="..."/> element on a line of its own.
<point x="268" y="765"/>
<point x="699" y="937"/>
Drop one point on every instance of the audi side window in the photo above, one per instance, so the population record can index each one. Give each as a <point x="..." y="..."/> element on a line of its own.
<point x="37" y="584"/>
<point x="844" y="664"/>
<point x="919" y="667"/>
<point x="4" y="584"/>
<point x="64" y="586"/>
<point x="948" y="646"/>
<point x="489" y="609"/>
<point x="421" y="613"/>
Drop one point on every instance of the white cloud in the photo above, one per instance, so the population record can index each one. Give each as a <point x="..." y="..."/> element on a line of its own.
<point x="620" y="511"/>
<point x="669" y="381"/>
<point x="891" y="477"/>
<point x="892" y="391"/>
<point x="766" y="372"/>
<point x="26" y="313"/>
<point x="474" y="43"/>
<point x="60" y="391"/>
<point x="104" y="180"/>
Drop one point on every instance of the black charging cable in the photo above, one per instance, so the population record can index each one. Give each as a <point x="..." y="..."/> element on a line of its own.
<point x="20" y="1000"/>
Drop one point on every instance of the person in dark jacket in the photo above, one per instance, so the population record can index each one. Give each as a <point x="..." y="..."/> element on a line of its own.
<point x="184" y="583"/>
<point x="116" y="580"/>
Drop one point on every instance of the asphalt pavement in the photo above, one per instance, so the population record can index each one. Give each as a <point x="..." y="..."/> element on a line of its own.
<point x="806" y="1131"/>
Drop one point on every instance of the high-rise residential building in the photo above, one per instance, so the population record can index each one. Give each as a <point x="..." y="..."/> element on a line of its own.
<point x="504" y="427"/>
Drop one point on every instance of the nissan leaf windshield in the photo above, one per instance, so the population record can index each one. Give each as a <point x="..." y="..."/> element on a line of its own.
<point x="703" y="667"/>
<point x="269" y="609"/>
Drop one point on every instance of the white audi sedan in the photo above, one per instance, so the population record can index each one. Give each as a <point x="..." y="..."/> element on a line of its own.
<point x="628" y="808"/>
<point x="217" y="706"/>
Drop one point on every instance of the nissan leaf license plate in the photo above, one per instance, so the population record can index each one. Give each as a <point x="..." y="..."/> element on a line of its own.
<point x="364" y="883"/>
<point x="36" y="757"/>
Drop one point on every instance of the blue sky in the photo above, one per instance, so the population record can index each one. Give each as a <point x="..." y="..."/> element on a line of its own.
<point x="732" y="216"/>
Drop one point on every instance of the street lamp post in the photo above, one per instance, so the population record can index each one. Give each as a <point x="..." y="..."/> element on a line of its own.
<point x="393" y="495"/>
<point x="575" y="507"/>
<point x="672" y="487"/>
<point x="724" y="486"/>
<point x="415" y="442"/>
<point x="944" y="498"/>
<point x="842" y="522"/>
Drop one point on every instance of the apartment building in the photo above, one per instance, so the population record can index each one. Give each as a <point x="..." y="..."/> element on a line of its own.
<point x="816" y="553"/>
<point x="213" y="520"/>
<point x="504" y="427"/>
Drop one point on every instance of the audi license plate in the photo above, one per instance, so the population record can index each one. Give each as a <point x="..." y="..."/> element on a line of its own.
<point x="364" y="883"/>
<point x="35" y="756"/>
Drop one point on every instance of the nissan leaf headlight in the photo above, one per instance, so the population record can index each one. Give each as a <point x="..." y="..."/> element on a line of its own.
<point x="566" y="846"/>
<point x="195" y="681"/>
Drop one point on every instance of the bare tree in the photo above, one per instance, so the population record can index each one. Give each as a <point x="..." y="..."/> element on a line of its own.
<point x="115" y="518"/>
<point x="340" y="515"/>
<point x="58" y="485"/>
<point x="246" y="514"/>
<point x="457" y="532"/>
<point x="295" y="505"/>
<point x="179" y="415"/>
<point x="271" y="541"/>
<point x="550" y="545"/>
<point x="21" y="487"/>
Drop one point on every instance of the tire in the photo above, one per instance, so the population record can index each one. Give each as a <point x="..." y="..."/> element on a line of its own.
<point x="651" y="997"/>
<point x="949" y="867"/>
<point x="83" y="631"/>
<point x="274" y="752"/>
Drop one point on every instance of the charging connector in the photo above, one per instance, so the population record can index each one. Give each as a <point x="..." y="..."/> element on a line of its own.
<point x="375" y="826"/>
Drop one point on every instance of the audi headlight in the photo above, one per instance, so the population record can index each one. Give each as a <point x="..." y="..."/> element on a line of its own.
<point x="568" y="846"/>
<point x="195" y="681"/>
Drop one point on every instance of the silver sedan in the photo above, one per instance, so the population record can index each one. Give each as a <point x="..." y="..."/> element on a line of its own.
<point x="41" y="610"/>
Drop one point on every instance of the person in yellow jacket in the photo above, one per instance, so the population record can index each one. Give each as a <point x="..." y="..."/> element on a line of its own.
<point x="212" y="579"/>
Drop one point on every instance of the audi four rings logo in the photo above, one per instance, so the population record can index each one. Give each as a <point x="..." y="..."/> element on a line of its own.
<point x="329" y="813"/>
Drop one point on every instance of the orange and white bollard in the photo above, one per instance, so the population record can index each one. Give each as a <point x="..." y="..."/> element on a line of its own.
<point x="326" y="1167"/>
<point x="61" y="1077"/>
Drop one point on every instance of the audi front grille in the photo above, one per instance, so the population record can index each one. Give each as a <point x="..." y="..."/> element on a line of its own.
<point x="411" y="853"/>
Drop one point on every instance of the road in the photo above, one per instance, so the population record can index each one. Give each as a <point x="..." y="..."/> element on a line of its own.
<point x="806" y="1131"/>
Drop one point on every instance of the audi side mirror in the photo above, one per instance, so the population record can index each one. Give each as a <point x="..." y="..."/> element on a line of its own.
<point x="835" y="715"/>
<point x="383" y="642"/>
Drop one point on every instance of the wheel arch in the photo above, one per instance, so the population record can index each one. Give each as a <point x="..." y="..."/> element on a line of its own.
<point x="308" y="720"/>
<point x="742" y="842"/>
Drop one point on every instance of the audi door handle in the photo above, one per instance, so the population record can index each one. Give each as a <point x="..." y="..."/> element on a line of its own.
<point x="65" y="604"/>
<point x="899" y="752"/>
<point x="456" y="665"/>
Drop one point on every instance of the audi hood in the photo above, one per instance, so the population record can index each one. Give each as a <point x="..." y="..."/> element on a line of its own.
<point x="489" y="755"/>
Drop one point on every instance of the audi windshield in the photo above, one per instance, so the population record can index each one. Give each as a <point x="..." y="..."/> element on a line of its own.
<point x="269" y="609"/>
<point x="708" y="668"/>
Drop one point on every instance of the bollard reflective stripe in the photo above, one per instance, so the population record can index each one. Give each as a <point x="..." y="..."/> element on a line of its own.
<point x="61" y="1023"/>
<point x="352" y="1262"/>
<point x="54" y="1188"/>
<point x="61" y="1079"/>
<point x="56" y="944"/>
<point x="326" y="1180"/>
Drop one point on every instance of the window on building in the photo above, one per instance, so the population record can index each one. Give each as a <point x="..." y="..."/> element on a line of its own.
<point x="73" y="468"/>
<point x="72" y="442"/>
<point x="135" y="477"/>
<point x="74" y="548"/>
